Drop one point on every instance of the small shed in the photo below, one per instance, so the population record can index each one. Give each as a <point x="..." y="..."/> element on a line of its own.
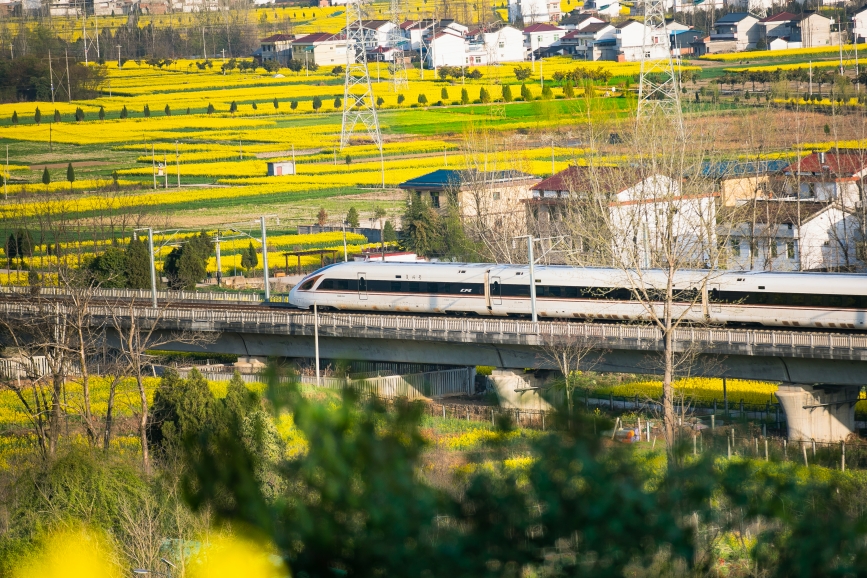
<point x="280" y="168"/>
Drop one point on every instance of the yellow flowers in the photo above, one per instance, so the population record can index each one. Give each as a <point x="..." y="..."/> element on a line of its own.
<point x="735" y="56"/>
<point x="699" y="389"/>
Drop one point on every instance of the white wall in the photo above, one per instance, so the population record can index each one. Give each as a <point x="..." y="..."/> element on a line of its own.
<point x="505" y="45"/>
<point x="640" y="220"/>
<point x="447" y="50"/>
<point x="542" y="39"/>
<point x="828" y="240"/>
<point x="531" y="11"/>
<point x="860" y="24"/>
<point x="630" y="40"/>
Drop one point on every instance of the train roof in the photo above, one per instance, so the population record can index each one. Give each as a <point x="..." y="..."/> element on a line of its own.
<point x="770" y="281"/>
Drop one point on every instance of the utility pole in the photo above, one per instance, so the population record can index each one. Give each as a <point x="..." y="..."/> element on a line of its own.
<point x="265" y="261"/>
<point x="6" y="176"/>
<point x="96" y="28"/>
<point x="358" y="106"/>
<point x="84" y="30"/>
<point x="154" y="165"/>
<point x="178" y="163"/>
<point x="153" y="267"/>
<point x="51" y="76"/>
<point x="68" y="83"/>
<point x="166" y="169"/>
<point x="219" y="264"/>
<point x="204" y="50"/>
<point x="118" y="57"/>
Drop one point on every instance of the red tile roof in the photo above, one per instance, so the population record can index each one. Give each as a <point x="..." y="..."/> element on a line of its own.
<point x="838" y="164"/>
<point x="572" y="179"/>
<point x="781" y="17"/>
<point x="541" y="28"/>
<point x="316" y="37"/>
<point x="279" y="38"/>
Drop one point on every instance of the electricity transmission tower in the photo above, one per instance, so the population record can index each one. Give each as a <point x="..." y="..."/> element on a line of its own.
<point x="396" y="42"/>
<point x="358" y="101"/>
<point x="658" y="90"/>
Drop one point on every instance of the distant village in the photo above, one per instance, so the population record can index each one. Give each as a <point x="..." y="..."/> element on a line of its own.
<point x="538" y="30"/>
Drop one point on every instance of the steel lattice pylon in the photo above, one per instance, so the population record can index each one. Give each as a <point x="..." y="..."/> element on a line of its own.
<point x="358" y="101"/>
<point x="396" y="42"/>
<point x="658" y="90"/>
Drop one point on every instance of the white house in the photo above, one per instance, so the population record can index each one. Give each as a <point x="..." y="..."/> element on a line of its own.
<point x="537" y="37"/>
<point x="277" y="47"/>
<point x="629" y="42"/>
<point x="376" y="32"/>
<point x="503" y="45"/>
<point x="859" y="24"/>
<point x="322" y="49"/>
<point x="648" y="217"/>
<point x="446" y="49"/>
<point x="582" y="43"/>
<point x="792" y="235"/>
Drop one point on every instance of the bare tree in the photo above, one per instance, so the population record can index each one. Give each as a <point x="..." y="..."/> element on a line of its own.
<point x="653" y="223"/>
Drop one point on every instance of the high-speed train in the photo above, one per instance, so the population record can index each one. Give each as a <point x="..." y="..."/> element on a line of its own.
<point x="826" y="300"/>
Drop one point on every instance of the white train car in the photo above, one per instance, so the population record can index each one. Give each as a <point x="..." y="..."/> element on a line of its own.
<point x="825" y="300"/>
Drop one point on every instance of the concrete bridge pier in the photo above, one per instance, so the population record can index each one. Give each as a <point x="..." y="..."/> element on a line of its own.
<point x="519" y="389"/>
<point x="822" y="414"/>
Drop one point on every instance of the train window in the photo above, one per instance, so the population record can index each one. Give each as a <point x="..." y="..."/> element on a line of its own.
<point x="797" y="299"/>
<point x="395" y="286"/>
<point x="433" y="288"/>
<point x="495" y="288"/>
<point x="362" y="284"/>
<point x="308" y="285"/>
<point x="342" y="285"/>
<point x="554" y="291"/>
<point x="327" y="284"/>
<point x="777" y="298"/>
<point x="835" y="300"/>
<point x="814" y="300"/>
<point x="849" y="301"/>
<point x="570" y="292"/>
<point x="414" y="288"/>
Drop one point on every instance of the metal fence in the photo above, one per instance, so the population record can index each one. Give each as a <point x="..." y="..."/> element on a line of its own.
<point x="143" y="294"/>
<point x="14" y="368"/>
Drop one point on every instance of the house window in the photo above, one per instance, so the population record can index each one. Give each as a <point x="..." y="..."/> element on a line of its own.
<point x="502" y="44"/>
<point x="496" y="195"/>
<point x="790" y="249"/>
<point x="736" y="247"/>
<point x="773" y="249"/>
<point x="435" y="200"/>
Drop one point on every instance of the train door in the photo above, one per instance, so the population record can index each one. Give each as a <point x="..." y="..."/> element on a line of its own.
<point x="715" y="299"/>
<point x="496" y="291"/>
<point x="362" y="286"/>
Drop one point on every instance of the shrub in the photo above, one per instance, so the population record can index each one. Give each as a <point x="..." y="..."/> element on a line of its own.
<point x="292" y="104"/>
<point x="522" y="73"/>
<point x="484" y="96"/>
<point x="507" y="93"/>
<point x="101" y="113"/>
<point x="210" y="108"/>
<point x="123" y="112"/>
<point x="14" y="117"/>
<point x="465" y="96"/>
<point x="146" y="111"/>
<point x="37" y="116"/>
<point x="444" y="93"/>
<point x="337" y="102"/>
<point x="317" y="103"/>
<point x="400" y="98"/>
<point x="167" y="110"/>
<point x="422" y="99"/>
<point x="276" y="104"/>
<point x="380" y="101"/>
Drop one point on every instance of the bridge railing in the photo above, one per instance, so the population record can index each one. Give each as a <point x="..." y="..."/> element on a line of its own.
<point x="406" y="325"/>
<point x="170" y="296"/>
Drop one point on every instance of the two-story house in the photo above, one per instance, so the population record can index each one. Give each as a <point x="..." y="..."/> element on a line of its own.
<point x="540" y="37"/>
<point x="376" y="32"/>
<point x="775" y="31"/>
<point x="495" y="45"/>
<point x="477" y="193"/>
<point x="630" y="42"/>
<point x="584" y="43"/>
<point x="827" y="177"/>
<point x="322" y="49"/>
<point x="534" y="11"/>
<point x="741" y="28"/>
<point x="811" y="30"/>
<point x="792" y="235"/>
<point x="276" y="48"/>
